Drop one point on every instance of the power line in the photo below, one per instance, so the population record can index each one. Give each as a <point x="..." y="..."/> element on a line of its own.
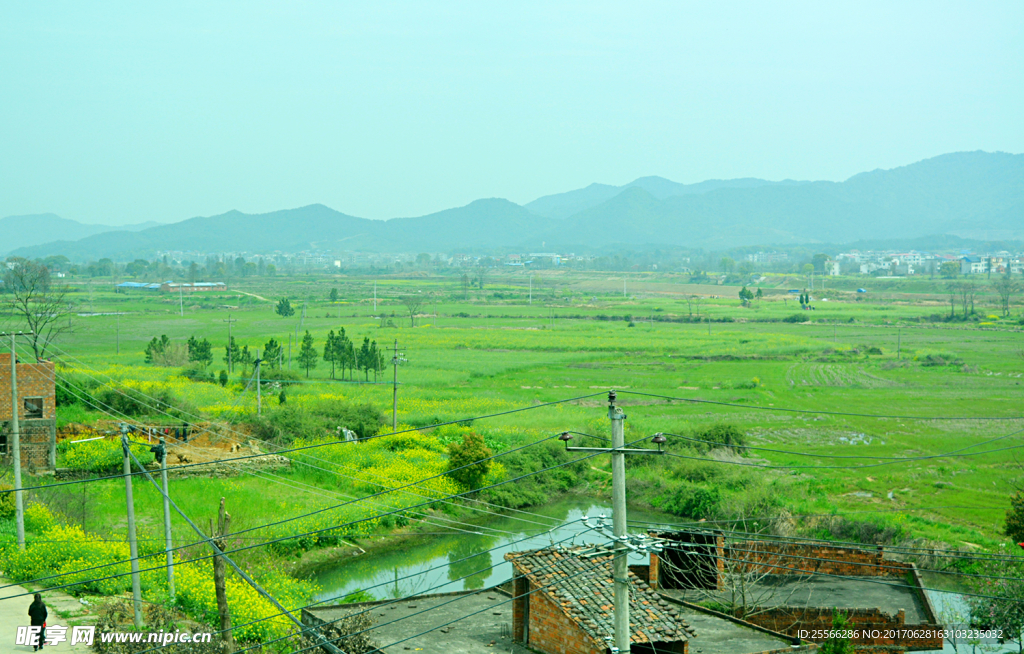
<point x="913" y="551"/>
<point x="410" y="576"/>
<point x="86" y="398"/>
<point x="871" y="580"/>
<point x="217" y="551"/>
<point x="596" y="565"/>
<point x="816" y="411"/>
<point x="866" y="465"/>
<point x="299" y="535"/>
<point x="318" y="445"/>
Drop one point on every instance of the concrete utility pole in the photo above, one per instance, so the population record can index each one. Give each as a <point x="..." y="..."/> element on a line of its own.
<point x="161" y="451"/>
<point x="231" y="355"/>
<point x="531" y="289"/>
<point x="620" y="569"/>
<point x="620" y="562"/>
<point x="899" y="336"/>
<point x="375" y="296"/>
<point x="396" y="358"/>
<point x="19" y="502"/>
<point x="133" y="546"/>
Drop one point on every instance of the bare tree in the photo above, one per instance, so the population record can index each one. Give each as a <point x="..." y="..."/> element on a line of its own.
<point x="1005" y="287"/>
<point x="412" y="304"/>
<point x="40" y="302"/>
<point x="693" y="303"/>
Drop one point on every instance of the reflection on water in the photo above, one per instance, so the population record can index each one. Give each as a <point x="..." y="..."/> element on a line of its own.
<point x="458" y="561"/>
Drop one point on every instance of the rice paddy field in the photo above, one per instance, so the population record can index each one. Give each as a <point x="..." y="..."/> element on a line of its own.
<point x="848" y="400"/>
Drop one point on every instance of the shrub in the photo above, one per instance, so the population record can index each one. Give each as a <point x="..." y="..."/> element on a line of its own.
<point x="7" y="505"/>
<point x="837" y="645"/>
<point x="131" y="402"/>
<point x="1014" y="526"/>
<point x="717" y="435"/>
<point x="460" y="457"/>
<point x="100" y="456"/>
<point x="692" y="501"/>
<point x="796" y="317"/>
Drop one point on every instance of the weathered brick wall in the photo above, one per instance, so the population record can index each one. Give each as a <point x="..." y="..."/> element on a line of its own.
<point x="873" y="626"/>
<point x="552" y="632"/>
<point x="792" y="558"/>
<point x="34" y="380"/>
<point x="550" y="629"/>
<point x="34" y="442"/>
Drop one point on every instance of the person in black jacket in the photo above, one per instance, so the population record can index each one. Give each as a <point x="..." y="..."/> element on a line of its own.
<point x="37" y="614"/>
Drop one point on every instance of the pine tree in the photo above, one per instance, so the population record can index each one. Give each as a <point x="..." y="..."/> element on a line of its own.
<point x="307" y="353"/>
<point x="364" y="360"/>
<point x="271" y="354"/>
<point x="331" y="351"/>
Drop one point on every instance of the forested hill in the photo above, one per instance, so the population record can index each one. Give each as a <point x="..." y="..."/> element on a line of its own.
<point x="970" y="194"/>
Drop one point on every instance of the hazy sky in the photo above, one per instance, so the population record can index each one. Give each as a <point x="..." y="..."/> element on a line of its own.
<point x="124" y="112"/>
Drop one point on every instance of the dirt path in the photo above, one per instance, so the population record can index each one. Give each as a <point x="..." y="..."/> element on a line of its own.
<point x="14" y="614"/>
<point x="258" y="297"/>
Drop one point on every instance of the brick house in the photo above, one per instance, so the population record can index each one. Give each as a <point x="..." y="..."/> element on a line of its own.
<point x="563" y="599"/>
<point x="37" y="413"/>
<point x="795" y="587"/>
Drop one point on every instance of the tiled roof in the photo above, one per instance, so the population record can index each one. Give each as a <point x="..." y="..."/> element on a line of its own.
<point x="582" y="587"/>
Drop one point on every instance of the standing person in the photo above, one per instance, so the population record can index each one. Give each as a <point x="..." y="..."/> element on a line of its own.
<point x="37" y="614"/>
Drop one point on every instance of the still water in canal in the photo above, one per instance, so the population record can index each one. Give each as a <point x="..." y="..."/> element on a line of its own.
<point x="448" y="560"/>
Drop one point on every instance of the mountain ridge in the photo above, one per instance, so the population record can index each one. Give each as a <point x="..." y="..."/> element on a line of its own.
<point x="968" y="194"/>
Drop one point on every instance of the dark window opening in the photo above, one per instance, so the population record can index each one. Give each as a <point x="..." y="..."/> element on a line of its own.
<point x="33" y="407"/>
<point x="691" y="561"/>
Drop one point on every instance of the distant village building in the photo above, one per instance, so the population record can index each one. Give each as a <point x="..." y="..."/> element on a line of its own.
<point x="198" y="287"/>
<point x="37" y="413"/>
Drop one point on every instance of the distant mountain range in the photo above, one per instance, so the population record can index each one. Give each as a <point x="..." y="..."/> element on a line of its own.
<point x="976" y="195"/>
<point x="36" y="229"/>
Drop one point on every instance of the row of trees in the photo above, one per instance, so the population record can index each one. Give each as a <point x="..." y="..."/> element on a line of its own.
<point x="339" y="350"/>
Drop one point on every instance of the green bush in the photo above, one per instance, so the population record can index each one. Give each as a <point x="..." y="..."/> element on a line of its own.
<point x="692" y="501"/>
<point x="130" y="402"/>
<point x="99" y="456"/>
<point x="716" y="436"/>
<point x="6" y="502"/>
<point x="462" y="455"/>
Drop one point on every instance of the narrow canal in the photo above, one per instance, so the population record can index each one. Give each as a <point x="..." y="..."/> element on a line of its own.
<point x="465" y="560"/>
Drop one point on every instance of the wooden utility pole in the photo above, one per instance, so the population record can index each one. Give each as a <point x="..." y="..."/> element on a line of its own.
<point x="259" y="391"/>
<point x="223" y="525"/>
<point x="133" y="546"/>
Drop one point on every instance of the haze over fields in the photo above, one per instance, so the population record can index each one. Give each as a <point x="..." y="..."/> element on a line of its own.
<point x="975" y="195"/>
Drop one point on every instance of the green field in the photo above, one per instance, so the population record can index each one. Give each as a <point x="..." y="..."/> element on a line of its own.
<point x="495" y="351"/>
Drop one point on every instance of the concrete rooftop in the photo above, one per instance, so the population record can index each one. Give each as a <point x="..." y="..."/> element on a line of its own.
<point x="487" y="615"/>
<point x="717" y="636"/>
<point x="487" y="619"/>
<point x="888" y="594"/>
